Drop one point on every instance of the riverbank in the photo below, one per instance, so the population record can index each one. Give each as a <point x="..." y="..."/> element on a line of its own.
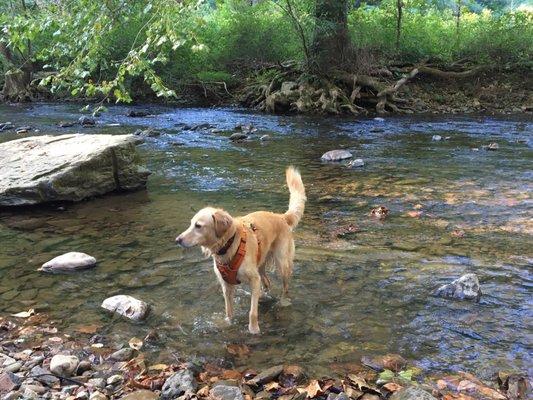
<point x="39" y="361"/>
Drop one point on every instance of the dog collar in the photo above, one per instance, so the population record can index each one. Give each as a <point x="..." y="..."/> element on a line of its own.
<point x="224" y="249"/>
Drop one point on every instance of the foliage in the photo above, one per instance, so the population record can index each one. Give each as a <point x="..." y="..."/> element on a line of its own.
<point x="122" y="49"/>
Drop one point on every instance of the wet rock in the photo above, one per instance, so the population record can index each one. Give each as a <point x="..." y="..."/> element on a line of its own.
<point x="464" y="288"/>
<point x="179" y="383"/>
<point x="225" y="392"/>
<point x="98" y="396"/>
<point x="141" y="395"/>
<point x="8" y="382"/>
<point x="97" y="382"/>
<point x="137" y="113"/>
<point x="492" y="146"/>
<point x="34" y="387"/>
<point x="86" y="121"/>
<point x="29" y="394"/>
<point x="150" y="132"/>
<point x="124" y="354"/>
<point x="69" y="262"/>
<point x="379" y="119"/>
<point x="411" y="393"/>
<point x="292" y="375"/>
<point x="358" y="162"/>
<point x="200" y="127"/>
<point x="22" y="129"/>
<point x="264" y="138"/>
<point x="83" y="395"/>
<point x="5" y="126"/>
<point x="13" y="367"/>
<point x="83" y="366"/>
<point x="44" y="376"/>
<point x="393" y="362"/>
<point x="63" y="365"/>
<point x="245" y="128"/>
<point x="114" y="380"/>
<point x="73" y="167"/>
<point x="267" y="375"/>
<point x="336" y="155"/>
<point x="436" y="138"/>
<point x="238" y="136"/>
<point x="127" y="306"/>
<point x="66" y="124"/>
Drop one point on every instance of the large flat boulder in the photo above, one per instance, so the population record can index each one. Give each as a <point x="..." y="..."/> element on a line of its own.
<point x="41" y="169"/>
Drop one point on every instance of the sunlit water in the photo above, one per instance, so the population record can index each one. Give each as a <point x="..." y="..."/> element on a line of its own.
<point x="366" y="294"/>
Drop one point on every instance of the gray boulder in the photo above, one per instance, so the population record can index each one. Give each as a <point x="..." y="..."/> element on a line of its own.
<point x="69" y="262"/>
<point x="225" y="392"/>
<point x="127" y="306"/>
<point x="74" y="167"/>
<point x="464" y="288"/>
<point x="411" y="393"/>
<point x="336" y="155"/>
<point x="181" y="382"/>
<point x="63" y="365"/>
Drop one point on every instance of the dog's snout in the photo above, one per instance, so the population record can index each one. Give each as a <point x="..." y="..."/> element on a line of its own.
<point x="179" y="240"/>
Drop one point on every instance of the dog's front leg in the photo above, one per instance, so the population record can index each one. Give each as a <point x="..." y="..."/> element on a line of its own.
<point x="255" y="285"/>
<point x="229" y="291"/>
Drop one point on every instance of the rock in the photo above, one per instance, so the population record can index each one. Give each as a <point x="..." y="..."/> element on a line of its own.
<point x="464" y="288"/>
<point x="411" y="393"/>
<point x="150" y="132"/>
<point x="86" y="121"/>
<point x="127" y="306"/>
<point x="73" y="167"/>
<point x="83" y="395"/>
<point x="336" y="155"/>
<point x="393" y="362"/>
<point x="292" y="375"/>
<point x="22" y="129"/>
<point x="13" y="367"/>
<point x="124" y="354"/>
<point x="97" y="382"/>
<point x="29" y="394"/>
<point x="436" y="138"/>
<point x="5" y="126"/>
<point x="225" y="392"/>
<point x="114" y="380"/>
<point x="493" y="146"/>
<point x="8" y="382"/>
<point x="98" y="396"/>
<point x="35" y="387"/>
<point x="264" y="137"/>
<point x="267" y="375"/>
<point x="200" y="126"/>
<point x="141" y="395"/>
<point x="379" y="119"/>
<point x="44" y="376"/>
<point x="69" y="262"/>
<point x="245" y="128"/>
<point x="137" y="113"/>
<point x="66" y="124"/>
<point x="179" y="383"/>
<point x="83" y="366"/>
<point x="63" y="365"/>
<point x="238" y="136"/>
<point x="358" y="162"/>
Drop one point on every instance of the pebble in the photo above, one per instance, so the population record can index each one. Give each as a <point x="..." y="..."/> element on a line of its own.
<point x="336" y="155"/>
<point x="63" y="365"/>
<point x="436" y="138"/>
<point x="264" y="137"/>
<point x="97" y="382"/>
<point x="127" y="306"/>
<point x="70" y="261"/>
<point x="124" y="354"/>
<point x="44" y="376"/>
<point x="179" y="383"/>
<point x="267" y="375"/>
<point x="141" y="395"/>
<point x="464" y="288"/>
<point x="98" y="396"/>
<point x="86" y="121"/>
<point x="114" y="379"/>
<point x="13" y="367"/>
<point x="225" y="392"/>
<point x="9" y="381"/>
<point x="238" y="136"/>
<point x="83" y="366"/>
<point x="358" y="162"/>
<point x="411" y="393"/>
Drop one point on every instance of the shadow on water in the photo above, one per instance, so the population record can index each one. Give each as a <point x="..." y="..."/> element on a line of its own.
<point x="366" y="294"/>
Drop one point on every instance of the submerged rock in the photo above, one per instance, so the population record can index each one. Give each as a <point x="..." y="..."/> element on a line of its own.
<point x="137" y="113"/>
<point x="336" y="155"/>
<point x="358" y="162"/>
<point x="436" y="138"/>
<point x="69" y="262"/>
<point x="179" y="383"/>
<point x="225" y="392"/>
<point x="411" y="393"/>
<point x="238" y="136"/>
<point x="150" y="132"/>
<point x="63" y="365"/>
<point x="86" y="121"/>
<point x="73" y="167"/>
<point x="127" y="306"/>
<point x="464" y="288"/>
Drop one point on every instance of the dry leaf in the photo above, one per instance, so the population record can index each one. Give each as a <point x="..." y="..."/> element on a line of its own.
<point x="271" y="386"/>
<point x="238" y="350"/>
<point x="135" y="343"/>
<point x="90" y="329"/>
<point x="231" y="374"/>
<point x="313" y="389"/>
<point x="417" y="206"/>
<point x="392" y="387"/>
<point x="203" y="392"/>
<point x="24" y="314"/>
<point x="157" y="367"/>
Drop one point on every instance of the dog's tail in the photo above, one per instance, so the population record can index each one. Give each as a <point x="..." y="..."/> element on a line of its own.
<point x="297" y="199"/>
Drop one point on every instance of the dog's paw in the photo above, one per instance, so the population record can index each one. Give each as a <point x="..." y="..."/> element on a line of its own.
<point x="285" y="302"/>
<point x="254" y="330"/>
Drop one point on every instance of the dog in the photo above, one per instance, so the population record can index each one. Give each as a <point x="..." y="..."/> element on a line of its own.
<point x="242" y="247"/>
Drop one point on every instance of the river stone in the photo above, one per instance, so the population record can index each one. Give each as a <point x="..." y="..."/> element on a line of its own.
<point x="124" y="354"/>
<point x="225" y="392"/>
<point x="237" y="136"/>
<point x="267" y="375"/>
<point x="69" y="262"/>
<point x="336" y="155"/>
<point x="179" y="383"/>
<point x="8" y="382"/>
<point x="63" y="365"/>
<point x="358" y="162"/>
<point x="436" y="138"/>
<point x="127" y="306"/>
<point x="86" y="121"/>
<point x="73" y="167"/>
<point x="411" y="393"/>
<point x="141" y="395"/>
<point x="464" y="288"/>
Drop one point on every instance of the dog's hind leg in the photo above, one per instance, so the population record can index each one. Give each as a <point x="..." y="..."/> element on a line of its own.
<point x="284" y="263"/>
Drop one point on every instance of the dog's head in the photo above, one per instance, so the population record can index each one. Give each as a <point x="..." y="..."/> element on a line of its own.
<point x="207" y="228"/>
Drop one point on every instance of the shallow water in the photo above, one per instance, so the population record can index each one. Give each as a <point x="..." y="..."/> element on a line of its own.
<point x="366" y="294"/>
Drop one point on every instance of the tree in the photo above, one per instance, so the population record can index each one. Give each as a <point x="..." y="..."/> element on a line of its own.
<point x="331" y="43"/>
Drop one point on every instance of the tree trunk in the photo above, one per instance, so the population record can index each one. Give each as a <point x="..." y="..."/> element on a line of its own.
<point x="399" y="7"/>
<point x="331" y="43"/>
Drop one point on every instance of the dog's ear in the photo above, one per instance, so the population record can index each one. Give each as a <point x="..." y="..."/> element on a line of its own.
<point x="222" y="221"/>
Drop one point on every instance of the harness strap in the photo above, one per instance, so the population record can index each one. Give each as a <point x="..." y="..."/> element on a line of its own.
<point x="229" y="271"/>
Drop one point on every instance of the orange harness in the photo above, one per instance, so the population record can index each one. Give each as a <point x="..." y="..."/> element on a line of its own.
<point x="229" y="271"/>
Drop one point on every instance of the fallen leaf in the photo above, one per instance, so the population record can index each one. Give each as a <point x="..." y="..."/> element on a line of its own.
<point x="90" y="329"/>
<point x="203" y="392"/>
<point x="136" y="343"/>
<point x="417" y="206"/>
<point x="231" y="374"/>
<point x="313" y="389"/>
<point x="238" y="350"/>
<point x="157" y="367"/>
<point x="392" y="387"/>
<point x="414" y="214"/>
<point x="271" y="386"/>
<point x="24" y="314"/>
